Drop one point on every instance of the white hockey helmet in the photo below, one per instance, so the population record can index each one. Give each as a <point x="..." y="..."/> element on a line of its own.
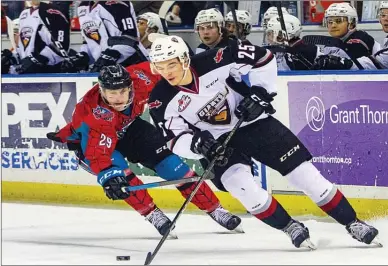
<point x="209" y="15"/>
<point x="153" y="21"/>
<point x="167" y="48"/>
<point x="272" y="11"/>
<point x="292" y="23"/>
<point x="383" y="4"/>
<point x="243" y="17"/>
<point x="342" y="10"/>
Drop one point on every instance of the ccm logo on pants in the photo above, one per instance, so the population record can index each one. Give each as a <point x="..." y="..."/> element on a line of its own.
<point x="289" y="153"/>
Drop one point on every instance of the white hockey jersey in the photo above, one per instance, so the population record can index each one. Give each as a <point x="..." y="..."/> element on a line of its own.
<point x="209" y="103"/>
<point x="38" y="31"/>
<point x="107" y="19"/>
<point x="378" y="60"/>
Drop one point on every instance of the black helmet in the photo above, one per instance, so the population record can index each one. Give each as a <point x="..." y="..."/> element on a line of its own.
<point x="114" y="77"/>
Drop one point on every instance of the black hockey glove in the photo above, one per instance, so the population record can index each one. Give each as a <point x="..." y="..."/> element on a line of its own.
<point x="108" y="57"/>
<point x="75" y="63"/>
<point x="204" y="143"/>
<point x="332" y="62"/>
<point x="72" y="146"/>
<point x="34" y="63"/>
<point x="113" y="180"/>
<point x="7" y="60"/>
<point x="251" y="107"/>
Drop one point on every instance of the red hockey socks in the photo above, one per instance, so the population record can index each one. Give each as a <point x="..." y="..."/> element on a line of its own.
<point x="273" y="214"/>
<point x="204" y="199"/>
<point x="140" y="200"/>
<point x="337" y="206"/>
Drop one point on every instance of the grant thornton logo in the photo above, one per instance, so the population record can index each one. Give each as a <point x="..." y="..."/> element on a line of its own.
<point x="315" y="113"/>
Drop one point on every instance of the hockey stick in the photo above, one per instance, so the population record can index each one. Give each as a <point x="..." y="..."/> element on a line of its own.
<point x="11" y="32"/>
<point x="151" y="256"/>
<point x="306" y="62"/>
<point x="281" y="17"/>
<point x="330" y="41"/>
<point x="233" y="10"/>
<point x="162" y="183"/>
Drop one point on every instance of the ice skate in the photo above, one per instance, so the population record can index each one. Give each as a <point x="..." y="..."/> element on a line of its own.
<point x="299" y="235"/>
<point x="226" y="219"/>
<point x="363" y="232"/>
<point x="161" y="222"/>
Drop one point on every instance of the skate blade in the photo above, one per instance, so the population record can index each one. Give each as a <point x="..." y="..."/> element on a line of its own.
<point x="173" y="235"/>
<point x="308" y="244"/>
<point x="239" y="229"/>
<point x="376" y="241"/>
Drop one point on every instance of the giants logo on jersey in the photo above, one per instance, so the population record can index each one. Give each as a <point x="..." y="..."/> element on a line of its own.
<point x="25" y="36"/>
<point x="90" y="29"/>
<point x="216" y="111"/>
<point x="103" y="113"/>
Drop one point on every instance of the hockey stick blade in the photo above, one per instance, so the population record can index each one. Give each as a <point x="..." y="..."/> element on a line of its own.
<point x="162" y="184"/>
<point x="151" y="255"/>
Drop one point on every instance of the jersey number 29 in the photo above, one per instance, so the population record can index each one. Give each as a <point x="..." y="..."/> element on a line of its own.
<point x="105" y="141"/>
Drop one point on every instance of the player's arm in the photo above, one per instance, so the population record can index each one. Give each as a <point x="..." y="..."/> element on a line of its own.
<point x="55" y="32"/>
<point x="120" y="22"/>
<point x="174" y="128"/>
<point x="254" y="74"/>
<point x="98" y="138"/>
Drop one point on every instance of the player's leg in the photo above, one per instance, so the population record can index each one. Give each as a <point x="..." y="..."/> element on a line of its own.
<point x="140" y="200"/>
<point x="286" y="154"/>
<point x="150" y="149"/>
<point x="236" y="177"/>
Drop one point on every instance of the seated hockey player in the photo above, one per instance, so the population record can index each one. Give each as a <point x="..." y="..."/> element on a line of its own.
<point x="199" y="109"/>
<point x="209" y="24"/>
<point x="268" y="14"/>
<point x="341" y="20"/>
<point x="44" y="39"/>
<point x="106" y="128"/>
<point x="290" y="50"/>
<point x="244" y="23"/>
<point x="149" y="23"/>
<point x="379" y="60"/>
<point x="110" y="31"/>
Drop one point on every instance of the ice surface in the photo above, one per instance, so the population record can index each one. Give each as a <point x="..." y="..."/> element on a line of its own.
<point x="37" y="234"/>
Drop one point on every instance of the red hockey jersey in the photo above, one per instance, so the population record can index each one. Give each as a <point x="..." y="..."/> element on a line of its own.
<point x="97" y="126"/>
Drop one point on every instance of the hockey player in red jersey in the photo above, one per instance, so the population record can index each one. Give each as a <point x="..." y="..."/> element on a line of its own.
<point x="106" y="128"/>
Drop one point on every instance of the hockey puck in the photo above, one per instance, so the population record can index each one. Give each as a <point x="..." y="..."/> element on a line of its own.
<point x="123" y="257"/>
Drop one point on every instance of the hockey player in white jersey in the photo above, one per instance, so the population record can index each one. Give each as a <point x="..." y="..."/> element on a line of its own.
<point x="209" y="24"/>
<point x="44" y="39"/>
<point x="194" y="105"/>
<point x="244" y="23"/>
<point x="378" y="60"/>
<point x="148" y="23"/>
<point x="269" y="13"/>
<point x="293" y="53"/>
<point x="341" y="20"/>
<point x="110" y="33"/>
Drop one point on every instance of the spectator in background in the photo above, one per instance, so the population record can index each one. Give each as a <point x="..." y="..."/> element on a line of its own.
<point x="142" y="7"/>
